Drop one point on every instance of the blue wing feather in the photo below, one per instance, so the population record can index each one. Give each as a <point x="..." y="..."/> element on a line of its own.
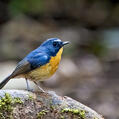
<point x="37" y="59"/>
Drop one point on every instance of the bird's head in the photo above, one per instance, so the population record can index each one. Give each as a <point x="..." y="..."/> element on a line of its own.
<point x="53" y="45"/>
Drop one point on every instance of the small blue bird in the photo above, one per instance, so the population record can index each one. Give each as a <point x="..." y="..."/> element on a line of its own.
<point x="40" y="64"/>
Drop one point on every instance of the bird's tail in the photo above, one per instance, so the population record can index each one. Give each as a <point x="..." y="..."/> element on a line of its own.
<point x="4" y="82"/>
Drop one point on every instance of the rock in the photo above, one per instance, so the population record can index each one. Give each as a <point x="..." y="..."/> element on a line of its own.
<point x="19" y="104"/>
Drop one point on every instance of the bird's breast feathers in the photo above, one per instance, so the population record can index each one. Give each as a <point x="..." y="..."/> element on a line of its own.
<point x="47" y="70"/>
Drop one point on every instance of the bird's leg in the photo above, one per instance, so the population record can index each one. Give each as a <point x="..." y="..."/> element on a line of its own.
<point x="39" y="87"/>
<point x="28" y="87"/>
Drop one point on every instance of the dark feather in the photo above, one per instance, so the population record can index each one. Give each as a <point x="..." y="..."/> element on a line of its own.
<point x="22" y="68"/>
<point x="3" y="83"/>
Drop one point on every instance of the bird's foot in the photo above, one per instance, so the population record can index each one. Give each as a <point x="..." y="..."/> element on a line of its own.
<point x="41" y="90"/>
<point x="30" y="90"/>
<point x="28" y="87"/>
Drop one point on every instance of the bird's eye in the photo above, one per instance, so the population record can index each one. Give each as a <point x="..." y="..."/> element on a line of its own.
<point x="54" y="44"/>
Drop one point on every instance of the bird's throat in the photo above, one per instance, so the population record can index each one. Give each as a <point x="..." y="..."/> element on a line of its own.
<point x="54" y="61"/>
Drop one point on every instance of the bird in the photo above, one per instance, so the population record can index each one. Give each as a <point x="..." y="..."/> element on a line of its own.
<point x="40" y="64"/>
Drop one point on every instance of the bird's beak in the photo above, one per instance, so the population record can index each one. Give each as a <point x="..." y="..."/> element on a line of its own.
<point x="65" y="43"/>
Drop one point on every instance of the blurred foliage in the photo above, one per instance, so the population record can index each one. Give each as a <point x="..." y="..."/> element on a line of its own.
<point x="23" y="6"/>
<point x="97" y="47"/>
<point x="71" y="50"/>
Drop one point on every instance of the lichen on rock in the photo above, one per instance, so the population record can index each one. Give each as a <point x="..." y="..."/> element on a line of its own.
<point x="7" y="104"/>
<point x="16" y="104"/>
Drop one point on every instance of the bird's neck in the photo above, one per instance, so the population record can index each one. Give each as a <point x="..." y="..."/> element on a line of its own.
<point x="57" y="58"/>
<point x="59" y="54"/>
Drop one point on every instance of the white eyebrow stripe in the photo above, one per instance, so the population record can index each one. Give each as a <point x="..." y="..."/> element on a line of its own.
<point x="58" y="40"/>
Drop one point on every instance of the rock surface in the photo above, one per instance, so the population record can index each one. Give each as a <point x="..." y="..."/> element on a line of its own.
<point x="19" y="104"/>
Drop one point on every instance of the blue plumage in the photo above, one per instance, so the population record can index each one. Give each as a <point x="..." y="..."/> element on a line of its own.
<point x="37" y="58"/>
<point x="42" y="54"/>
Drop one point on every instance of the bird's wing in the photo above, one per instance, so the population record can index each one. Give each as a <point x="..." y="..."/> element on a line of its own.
<point x="31" y="63"/>
<point x="22" y="67"/>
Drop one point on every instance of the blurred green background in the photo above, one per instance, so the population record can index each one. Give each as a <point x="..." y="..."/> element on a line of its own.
<point x="89" y="70"/>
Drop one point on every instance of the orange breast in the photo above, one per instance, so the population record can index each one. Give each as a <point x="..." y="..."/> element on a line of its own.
<point x="54" y="62"/>
<point x="47" y="70"/>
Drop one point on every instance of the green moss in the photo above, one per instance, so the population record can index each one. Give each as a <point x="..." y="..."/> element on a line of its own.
<point x="52" y="107"/>
<point x="17" y="100"/>
<point x="2" y="116"/>
<point x="30" y="97"/>
<point x="6" y="105"/>
<point x="78" y="112"/>
<point x="62" y="117"/>
<point x="41" y="114"/>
